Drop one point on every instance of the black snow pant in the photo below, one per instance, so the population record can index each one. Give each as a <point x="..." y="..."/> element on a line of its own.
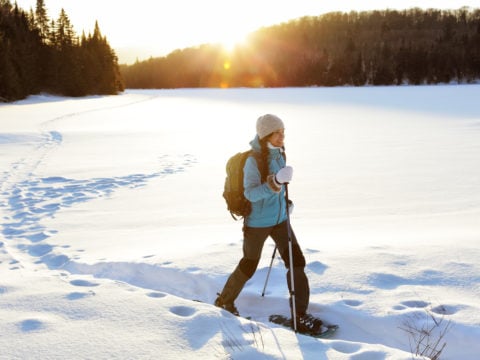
<point x="253" y="241"/>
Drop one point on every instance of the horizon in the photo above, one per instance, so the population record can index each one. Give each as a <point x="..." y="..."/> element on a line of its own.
<point x="211" y="22"/>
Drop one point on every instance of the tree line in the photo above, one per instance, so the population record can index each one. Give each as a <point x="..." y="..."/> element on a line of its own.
<point x="38" y="54"/>
<point x="389" y="47"/>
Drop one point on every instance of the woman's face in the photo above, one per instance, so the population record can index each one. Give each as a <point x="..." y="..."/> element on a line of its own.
<point x="277" y="138"/>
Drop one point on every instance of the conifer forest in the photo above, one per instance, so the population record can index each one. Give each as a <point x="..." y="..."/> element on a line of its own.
<point x="387" y="47"/>
<point x="38" y="54"/>
<point x="384" y="47"/>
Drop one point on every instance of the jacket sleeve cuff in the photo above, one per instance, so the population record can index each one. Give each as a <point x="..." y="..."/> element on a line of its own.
<point x="272" y="184"/>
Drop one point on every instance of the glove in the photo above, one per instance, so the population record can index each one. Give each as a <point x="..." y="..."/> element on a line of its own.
<point x="284" y="175"/>
<point x="290" y="207"/>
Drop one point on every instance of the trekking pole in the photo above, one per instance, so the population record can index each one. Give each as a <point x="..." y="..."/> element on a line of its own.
<point x="269" y="270"/>
<point x="290" y="255"/>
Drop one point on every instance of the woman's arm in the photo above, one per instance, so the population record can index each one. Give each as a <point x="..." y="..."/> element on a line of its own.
<point x="254" y="189"/>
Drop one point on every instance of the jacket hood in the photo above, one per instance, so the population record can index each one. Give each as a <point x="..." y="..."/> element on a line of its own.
<point x="255" y="144"/>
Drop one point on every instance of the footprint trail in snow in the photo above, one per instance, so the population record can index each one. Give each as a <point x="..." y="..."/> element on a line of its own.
<point x="27" y="199"/>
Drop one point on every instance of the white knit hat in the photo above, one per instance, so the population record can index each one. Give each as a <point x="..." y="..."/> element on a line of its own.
<point x="268" y="124"/>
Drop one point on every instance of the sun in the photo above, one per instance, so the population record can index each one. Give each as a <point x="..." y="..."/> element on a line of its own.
<point x="231" y="40"/>
<point x="237" y="31"/>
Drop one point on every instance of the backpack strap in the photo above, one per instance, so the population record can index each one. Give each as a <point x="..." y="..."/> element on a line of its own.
<point x="258" y="158"/>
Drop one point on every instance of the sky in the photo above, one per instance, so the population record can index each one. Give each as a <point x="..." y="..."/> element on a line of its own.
<point x="144" y="28"/>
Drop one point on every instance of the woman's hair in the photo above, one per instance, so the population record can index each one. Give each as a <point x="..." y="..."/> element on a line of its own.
<point x="264" y="152"/>
<point x="263" y="166"/>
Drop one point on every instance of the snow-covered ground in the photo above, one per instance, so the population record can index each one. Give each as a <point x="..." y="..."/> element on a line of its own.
<point x="112" y="222"/>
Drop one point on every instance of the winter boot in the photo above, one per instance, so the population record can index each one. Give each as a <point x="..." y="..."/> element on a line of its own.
<point x="309" y="324"/>
<point x="230" y="307"/>
<point x="231" y="290"/>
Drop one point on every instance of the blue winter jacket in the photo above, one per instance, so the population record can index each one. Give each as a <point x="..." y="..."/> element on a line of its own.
<point x="268" y="207"/>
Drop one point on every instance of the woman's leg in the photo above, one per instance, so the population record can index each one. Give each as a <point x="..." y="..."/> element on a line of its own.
<point x="253" y="241"/>
<point x="302" y="289"/>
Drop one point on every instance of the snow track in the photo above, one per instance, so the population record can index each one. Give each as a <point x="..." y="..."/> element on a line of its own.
<point x="26" y="199"/>
<point x="33" y="199"/>
<point x="25" y="167"/>
<point x="21" y="222"/>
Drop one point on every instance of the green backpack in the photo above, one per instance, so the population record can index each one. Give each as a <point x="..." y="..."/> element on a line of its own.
<point x="237" y="203"/>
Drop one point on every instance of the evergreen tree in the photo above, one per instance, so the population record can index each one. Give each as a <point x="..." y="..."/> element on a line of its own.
<point x="42" y="21"/>
<point x="101" y="63"/>
<point x="19" y="53"/>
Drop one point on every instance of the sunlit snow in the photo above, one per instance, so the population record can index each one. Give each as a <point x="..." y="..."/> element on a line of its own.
<point x="113" y="222"/>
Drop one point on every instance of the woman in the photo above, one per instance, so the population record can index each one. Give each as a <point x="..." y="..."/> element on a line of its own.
<point x="265" y="189"/>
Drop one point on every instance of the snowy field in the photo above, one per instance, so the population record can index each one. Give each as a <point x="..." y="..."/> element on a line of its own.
<point x="112" y="222"/>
